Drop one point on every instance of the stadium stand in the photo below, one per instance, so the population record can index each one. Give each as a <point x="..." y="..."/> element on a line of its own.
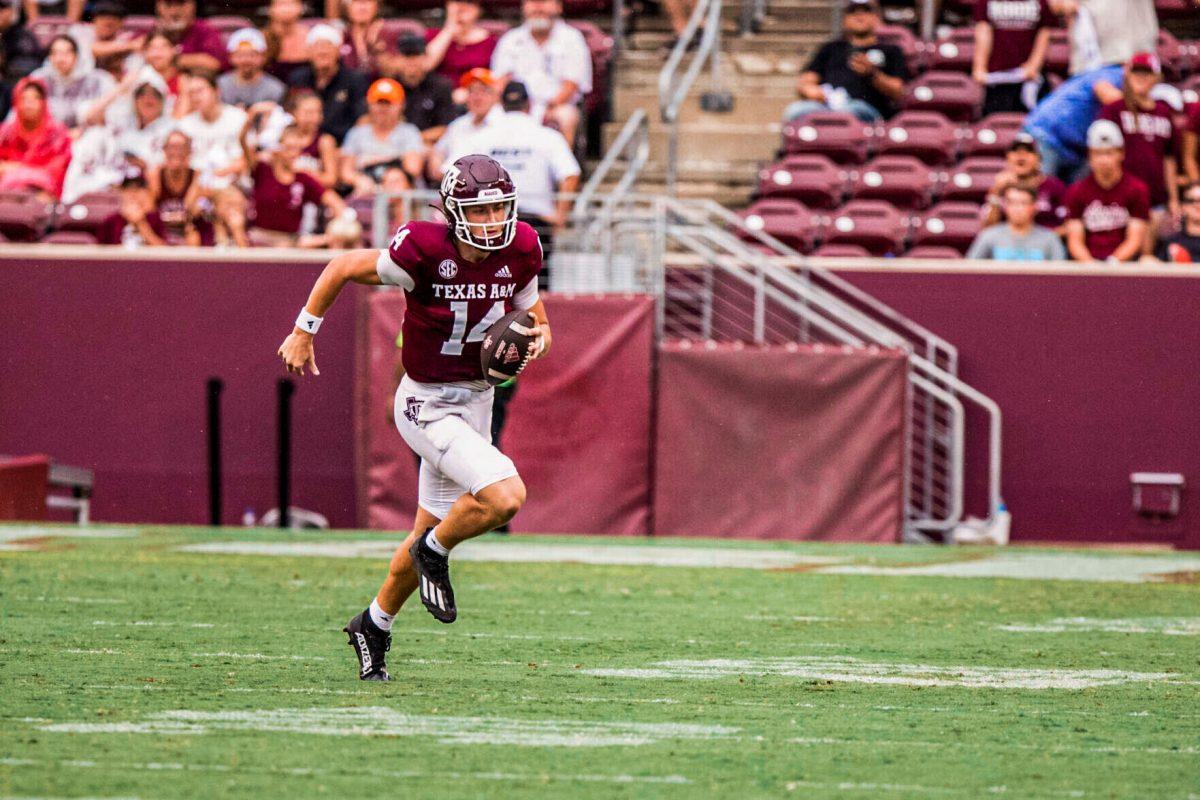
<point x="971" y="179"/>
<point x="812" y="179"/>
<point x="840" y="136"/>
<point x="928" y="135"/>
<point x="903" y="181"/>
<point x="948" y="224"/>
<point x="785" y="219"/>
<point x="951" y="93"/>
<point x="875" y="225"/>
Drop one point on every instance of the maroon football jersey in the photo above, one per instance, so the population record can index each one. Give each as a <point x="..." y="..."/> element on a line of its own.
<point x="451" y="301"/>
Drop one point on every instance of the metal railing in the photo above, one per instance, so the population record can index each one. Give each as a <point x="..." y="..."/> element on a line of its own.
<point x="673" y="88"/>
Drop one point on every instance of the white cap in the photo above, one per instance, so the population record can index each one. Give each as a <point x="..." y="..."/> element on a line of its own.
<point x="247" y="36"/>
<point x="324" y="33"/>
<point x="1105" y="135"/>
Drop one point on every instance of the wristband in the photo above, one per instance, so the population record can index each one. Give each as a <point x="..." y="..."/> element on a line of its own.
<point x="307" y="322"/>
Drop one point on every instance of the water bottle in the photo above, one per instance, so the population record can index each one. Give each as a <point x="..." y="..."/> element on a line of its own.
<point x="248" y="518"/>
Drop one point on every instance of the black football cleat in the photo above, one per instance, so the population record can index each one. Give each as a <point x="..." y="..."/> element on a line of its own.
<point x="369" y="644"/>
<point x="433" y="572"/>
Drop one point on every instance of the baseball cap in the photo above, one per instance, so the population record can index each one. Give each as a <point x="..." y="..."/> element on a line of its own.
<point x="1023" y="141"/>
<point x="323" y="33"/>
<point x="1105" y="135"/>
<point x="247" y="37"/>
<point x="860" y="5"/>
<point x="385" y="90"/>
<point x="480" y="74"/>
<point x="515" y="96"/>
<point x="410" y="44"/>
<point x="107" y="8"/>
<point x="1145" y="62"/>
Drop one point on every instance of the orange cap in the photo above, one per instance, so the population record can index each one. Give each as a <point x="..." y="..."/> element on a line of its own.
<point x="385" y="90"/>
<point x="480" y="74"/>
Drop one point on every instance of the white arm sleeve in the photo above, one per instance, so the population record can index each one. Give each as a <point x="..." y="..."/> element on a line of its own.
<point x="527" y="297"/>
<point x="392" y="275"/>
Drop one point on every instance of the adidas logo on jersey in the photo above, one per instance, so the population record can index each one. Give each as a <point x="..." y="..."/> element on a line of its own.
<point x="504" y="272"/>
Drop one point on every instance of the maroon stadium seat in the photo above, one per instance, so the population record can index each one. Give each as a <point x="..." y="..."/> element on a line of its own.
<point x="496" y="27"/>
<point x="46" y="27"/>
<point x="928" y="135"/>
<point x="393" y="28"/>
<point x="1058" y="53"/>
<point x="954" y="94"/>
<point x="992" y="135"/>
<point x="787" y="220"/>
<point x="813" y="179"/>
<point x="954" y="52"/>
<point x="971" y="180"/>
<point x="875" y="225"/>
<point x="88" y="213"/>
<point x="140" y="24"/>
<point x="1191" y="90"/>
<point x="842" y="251"/>
<point x="909" y="44"/>
<point x="69" y="237"/>
<point x="842" y="137"/>
<point x="1168" y="9"/>
<point x="1175" y="60"/>
<point x="948" y="224"/>
<point x="227" y="24"/>
<point x="904" y="181"/>
<point x="933" y="252"/>
<point x="24" y="219"/>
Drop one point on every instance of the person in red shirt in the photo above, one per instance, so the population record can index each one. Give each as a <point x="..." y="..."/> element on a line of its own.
<point x="462" y="44"/>
<point x="1108" y="211"/>
<point x="199" y="43"/>
<point x="35" y="148"/>
<point x="1010" y="37"/>
<point x="459" y="277"/>
<point x="1023" y="167"/>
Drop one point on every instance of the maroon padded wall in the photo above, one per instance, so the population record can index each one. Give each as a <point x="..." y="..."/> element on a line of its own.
<point x="104" y="362"/>
<point x="781" y="442"/>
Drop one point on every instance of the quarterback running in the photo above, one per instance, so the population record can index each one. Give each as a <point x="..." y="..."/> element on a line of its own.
<point x="460" y="277"/>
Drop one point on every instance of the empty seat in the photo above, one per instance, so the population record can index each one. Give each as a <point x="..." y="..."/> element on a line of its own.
<point x="875" y="225"/>
<point x="842" y="251"/>
<point x="933" y="252"/>
<point x="909" y="44"/>
<point x="903" y="181"/>
<point x="949" y="224"/>
<point x="1058" y="52"/>
<point x="992" y="135"/>
<point x="928" y="135"/>
<point x="842" y="137"/>
<point x="955" y="51"/>
<point x="813" y="179"/>
<point x="46" y="27"/>
<point x="954" y="94"/>
<point x="24" y="219"/>
<point x="139" y="24"/>
<point x="70" y="237"/>
<point x="787" y="220"/>
<point x="1175" y="60"/>
<point x="88" y="213"/>
<point x="971" y="180"/>
<point x="393" y="28"/>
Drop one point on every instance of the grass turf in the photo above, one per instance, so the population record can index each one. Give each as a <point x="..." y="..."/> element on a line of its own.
<point x="236" y="673"/>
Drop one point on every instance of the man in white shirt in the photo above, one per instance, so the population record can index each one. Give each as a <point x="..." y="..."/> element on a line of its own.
<point x="551" y="58"/>
<point x="483" y="109"/>
<point x="215" y="129"/>
<point x="538" y="159"/>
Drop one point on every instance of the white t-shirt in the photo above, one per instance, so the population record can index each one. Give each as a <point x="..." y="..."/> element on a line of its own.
<point x="456" y="141"/>
<point x="215" y="145"/>
<point x="543" y="68"/>
<point x="537" y="157"/>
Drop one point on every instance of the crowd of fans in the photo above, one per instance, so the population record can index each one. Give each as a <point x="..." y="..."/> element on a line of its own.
<point x="1103" y="163"/>
<point x="235" y="138"/>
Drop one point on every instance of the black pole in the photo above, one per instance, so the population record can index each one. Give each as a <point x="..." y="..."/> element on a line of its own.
<point x="286" y="390"/>
<point x="215" y="387"/>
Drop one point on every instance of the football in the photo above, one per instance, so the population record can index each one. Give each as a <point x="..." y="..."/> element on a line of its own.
<point x="507" y="347"/>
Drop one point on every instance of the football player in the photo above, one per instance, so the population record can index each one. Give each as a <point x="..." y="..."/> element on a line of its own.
<point x="460" y="277"/>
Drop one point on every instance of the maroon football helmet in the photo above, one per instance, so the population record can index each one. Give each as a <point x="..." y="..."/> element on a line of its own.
<point x="477" y="180"/>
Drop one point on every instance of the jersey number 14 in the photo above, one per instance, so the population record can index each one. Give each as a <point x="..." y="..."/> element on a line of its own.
<point x="454" y="345"/>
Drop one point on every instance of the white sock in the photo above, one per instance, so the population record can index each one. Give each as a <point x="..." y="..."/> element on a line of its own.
<point x="435" y="545"/>
<point x="381" y="618"/>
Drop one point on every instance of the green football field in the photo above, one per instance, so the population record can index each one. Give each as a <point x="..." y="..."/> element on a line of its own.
<point x="185" y="663"/>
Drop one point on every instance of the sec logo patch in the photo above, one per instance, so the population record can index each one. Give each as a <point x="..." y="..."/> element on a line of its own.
<point x="447" y="269"/>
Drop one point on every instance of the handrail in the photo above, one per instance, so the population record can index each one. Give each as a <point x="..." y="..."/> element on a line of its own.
<point x="634" y="136"/>
<point x="672" y="90"/>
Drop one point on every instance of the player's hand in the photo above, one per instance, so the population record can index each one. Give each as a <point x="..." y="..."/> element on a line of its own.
<point x="541" y="339"/>
<point x="297" y="353"/>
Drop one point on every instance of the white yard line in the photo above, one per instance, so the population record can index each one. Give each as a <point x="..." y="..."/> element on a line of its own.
<point x="73" y="600"/>
<point x="1182" y="750"/>
<point x="1102" y="567"/>
<point x="1166" y="626"/>
<point x="146" y="623"/>
<point x="258" y="656"/>
<point x="102" y="652"/>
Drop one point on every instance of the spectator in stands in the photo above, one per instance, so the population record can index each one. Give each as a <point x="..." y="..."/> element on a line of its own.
<point x="384" y="152"/>
<point x="342" y="91"/>
<point x="1060" y="122"/>
<point x="1106" y="32"/>
<point x="35" y="148"/>
<point x="1011" y="39"/>
<point x="71" y="9"/>
<point x="162" y="57"/>
<point x="1023" y="167"/>
<point x="1184" y="246"/>
<point x="19" y="49"/>
<point x="72" y="88"/>
<point x="856" y="73"/>
<point x="1148" y="126"/>
<point x="247" y="83"/>
<point x="215" y="128"/>
<point x="280" y="191"/>
<point x="462" y="44"/>
<point x="1109" y="209"/>
<point x="551" y="59"/>
<point x="1018" y="238"/>
<point x="137" y="224"/>
<point x="319" y="156"/>
<point x="177" y="196"/>
<point x="140" y="104"/>
<point x="539" y="160"/>
<point x="365" y="49"/>
<point x="104" y="43"/>
<point x="483" y="110"/>
<point x="427" y="100"/>
<point x="1191" y="144"/>
<point x="199" y="43"/>
<point x="288" y="45"/>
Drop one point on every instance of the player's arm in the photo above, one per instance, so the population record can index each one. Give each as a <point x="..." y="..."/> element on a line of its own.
<point x="357" y="266"/>
<point x="541" y="331"/>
